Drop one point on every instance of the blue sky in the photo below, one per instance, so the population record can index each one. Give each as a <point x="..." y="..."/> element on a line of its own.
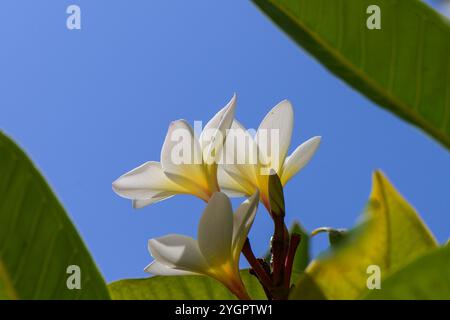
<point x="91" y="104"/>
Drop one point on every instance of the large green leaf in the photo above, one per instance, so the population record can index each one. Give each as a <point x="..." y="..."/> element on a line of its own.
<point x="390" y="236"/>
<point x="428" y="277"/>
<point x="404" y="67"/>
<point x="37" y="240"/>
<point x="181" y="288"/>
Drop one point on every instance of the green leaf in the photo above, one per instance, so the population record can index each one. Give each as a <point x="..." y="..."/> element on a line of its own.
<point x="427" y="278"/>
<point x="335" y="236"/>
<point x="309" y="289"/>
<point x="390" y="236"/>
<point x="37" y="240"/>
<point x="181" y="288"/>
<point x="404" y="67"/>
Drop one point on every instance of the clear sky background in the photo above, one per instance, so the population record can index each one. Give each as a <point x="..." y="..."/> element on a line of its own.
<point x="89" y="105"/>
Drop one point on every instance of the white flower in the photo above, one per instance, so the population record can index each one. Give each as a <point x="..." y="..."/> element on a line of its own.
<point x="188" y="165"/>
<point x="242" y="179"/>
<point x="216" y="252"/>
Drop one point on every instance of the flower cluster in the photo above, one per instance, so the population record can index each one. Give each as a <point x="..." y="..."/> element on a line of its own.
<point x="224" y="160"/>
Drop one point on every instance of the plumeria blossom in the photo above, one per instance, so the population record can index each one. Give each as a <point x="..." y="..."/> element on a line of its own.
<point x="216" y="252"/>
<point x="188" y="164"/>
<point x="268" y="153"/>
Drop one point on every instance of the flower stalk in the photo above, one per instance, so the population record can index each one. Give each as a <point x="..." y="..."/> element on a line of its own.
<point x="257" y="268"/>
<point x="275" y="278"/>
<point x="293" y="244"/>
<point x="279" y="245"/>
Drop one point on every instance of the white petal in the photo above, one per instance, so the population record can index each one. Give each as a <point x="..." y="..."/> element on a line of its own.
<point x="138" y="204"/>
<point x="217" y="119"/>
<point x="181" y="157"/>
<point x="243" y="220"/>
<point x="159" y="269"/>
<point x="214" y="133"/>
<point x="215" y="230"/>
<point x="241" y="155"/>
<point x="278" y="123"/>
<point x="231" y="186"/>
<point x="299" y="158"/>
<point x="177" y="251"/>
<point x="144" y="182"/>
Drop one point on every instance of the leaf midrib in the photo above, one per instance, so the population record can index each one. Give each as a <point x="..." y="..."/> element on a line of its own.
<point x="388" y="221"/>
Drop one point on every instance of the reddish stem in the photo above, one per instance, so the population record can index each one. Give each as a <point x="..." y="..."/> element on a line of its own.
<point x="278" y="250"/>
<point x="293" y="244"/>
<point x="259" y="271"/>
